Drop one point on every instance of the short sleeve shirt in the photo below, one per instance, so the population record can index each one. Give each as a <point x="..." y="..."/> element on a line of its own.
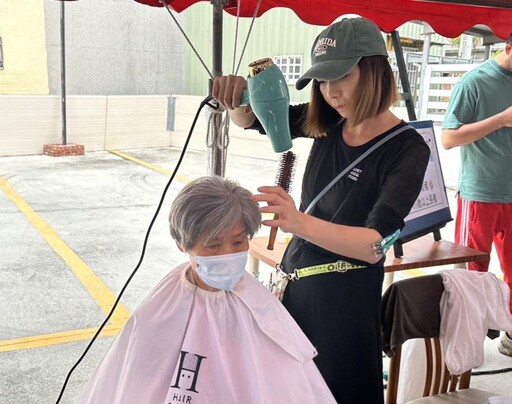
<point x="486" y="168"/>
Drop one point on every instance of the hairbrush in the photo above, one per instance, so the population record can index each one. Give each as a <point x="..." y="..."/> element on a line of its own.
<point x="284" y="180"/>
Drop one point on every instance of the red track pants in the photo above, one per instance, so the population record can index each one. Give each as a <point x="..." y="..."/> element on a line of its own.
<point x="480" y="224"/>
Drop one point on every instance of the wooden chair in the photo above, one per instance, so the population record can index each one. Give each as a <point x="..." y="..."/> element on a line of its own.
<point x="411" y="310"/>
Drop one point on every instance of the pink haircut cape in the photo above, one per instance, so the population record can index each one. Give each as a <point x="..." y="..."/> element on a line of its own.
<point x="187" y="345"/>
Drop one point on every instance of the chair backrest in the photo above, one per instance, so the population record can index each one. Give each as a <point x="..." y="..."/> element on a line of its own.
<point x="411" y="310"/>
<point x="437" y="377"/>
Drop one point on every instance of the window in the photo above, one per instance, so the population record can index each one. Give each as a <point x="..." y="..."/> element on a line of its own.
<point x="1" y="55"/>
<point x="291" y="66"/>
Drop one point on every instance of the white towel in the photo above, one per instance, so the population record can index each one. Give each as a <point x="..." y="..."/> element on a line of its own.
<point x="500" y="400"/>
<point x="472" y="303"/>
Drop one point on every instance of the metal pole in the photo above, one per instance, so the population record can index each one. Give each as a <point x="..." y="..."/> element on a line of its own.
<point x="427" y="33"/>
<point x="63" y="70"/>
<point x="404" y="79"/>
<point x="216" y="152"/>
<point x="487" y="52"/>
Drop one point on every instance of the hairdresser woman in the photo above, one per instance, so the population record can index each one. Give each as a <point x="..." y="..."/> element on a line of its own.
<point x="352" y="90"/>
<point x="209" y="333"/>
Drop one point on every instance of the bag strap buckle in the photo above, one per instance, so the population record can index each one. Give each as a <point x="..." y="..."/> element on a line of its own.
<point x="342" y="266"/>
<point x="291" y="277"/>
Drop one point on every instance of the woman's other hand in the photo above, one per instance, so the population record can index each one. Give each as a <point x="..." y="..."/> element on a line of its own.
<point x="350" y="241"/>
<point x="281" y="203"/>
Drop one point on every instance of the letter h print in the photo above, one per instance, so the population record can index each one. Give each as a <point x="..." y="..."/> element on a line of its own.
<point x="188" y="369"/>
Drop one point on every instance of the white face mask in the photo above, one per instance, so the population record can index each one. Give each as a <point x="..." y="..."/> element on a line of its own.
<point x="221" y="271"/>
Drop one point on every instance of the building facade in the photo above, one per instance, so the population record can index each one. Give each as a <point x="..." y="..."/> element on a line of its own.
<point x="23" y="57"/>
<point x="279" y="34"/>
<point x="112" y="47"/>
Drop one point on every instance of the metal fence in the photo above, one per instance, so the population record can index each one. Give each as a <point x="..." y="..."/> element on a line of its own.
<point x="419" y="91"/>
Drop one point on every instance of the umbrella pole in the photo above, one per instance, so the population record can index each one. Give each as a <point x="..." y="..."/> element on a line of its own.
<point x="216" y="153"/>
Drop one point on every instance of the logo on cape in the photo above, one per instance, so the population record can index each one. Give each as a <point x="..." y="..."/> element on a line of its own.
<point x="188" y="370"/>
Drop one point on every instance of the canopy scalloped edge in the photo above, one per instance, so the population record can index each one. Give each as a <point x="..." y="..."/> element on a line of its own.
<point x="449" y="18"/>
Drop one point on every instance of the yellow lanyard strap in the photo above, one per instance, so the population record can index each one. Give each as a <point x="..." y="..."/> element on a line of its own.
<point x="338" y="266"/>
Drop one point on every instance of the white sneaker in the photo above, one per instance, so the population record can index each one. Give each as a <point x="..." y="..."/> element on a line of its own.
<point x="505" y="345"/>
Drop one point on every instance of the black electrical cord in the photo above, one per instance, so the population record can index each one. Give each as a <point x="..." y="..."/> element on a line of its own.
<point x="491" y="372"/>
<point x="144" y="245"/>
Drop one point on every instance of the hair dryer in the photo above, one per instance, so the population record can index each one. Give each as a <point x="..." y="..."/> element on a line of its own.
<point x="268" y="96"/>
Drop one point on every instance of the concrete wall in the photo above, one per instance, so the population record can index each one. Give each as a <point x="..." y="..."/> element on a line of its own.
<point x="28" y="123"/>
<point x="24" y="47"/>
<point x="114" y="47"/>
<point x="97" y="122"/>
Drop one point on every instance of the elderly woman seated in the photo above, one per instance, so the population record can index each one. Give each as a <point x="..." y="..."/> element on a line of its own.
<point x="209" y="332"/>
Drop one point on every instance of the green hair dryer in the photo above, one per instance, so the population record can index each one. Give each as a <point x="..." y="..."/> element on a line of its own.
<point x="267" y="94"/>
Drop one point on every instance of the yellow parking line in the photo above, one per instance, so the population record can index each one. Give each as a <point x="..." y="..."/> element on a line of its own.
<point x="103" y="297"/>
<point x="38" y="341"/>
<point x="153" y="167"/>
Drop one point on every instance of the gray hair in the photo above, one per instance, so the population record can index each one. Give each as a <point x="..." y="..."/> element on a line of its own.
<point x="209" y="207"/>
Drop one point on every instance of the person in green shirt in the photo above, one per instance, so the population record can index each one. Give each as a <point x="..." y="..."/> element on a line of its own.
<point x="479" y="121"/>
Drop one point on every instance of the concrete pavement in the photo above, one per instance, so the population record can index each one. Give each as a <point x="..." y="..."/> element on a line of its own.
<point x="72" y="231"/>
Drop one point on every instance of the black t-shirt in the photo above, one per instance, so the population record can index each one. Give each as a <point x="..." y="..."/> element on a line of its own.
<point x="377" y="193"/>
